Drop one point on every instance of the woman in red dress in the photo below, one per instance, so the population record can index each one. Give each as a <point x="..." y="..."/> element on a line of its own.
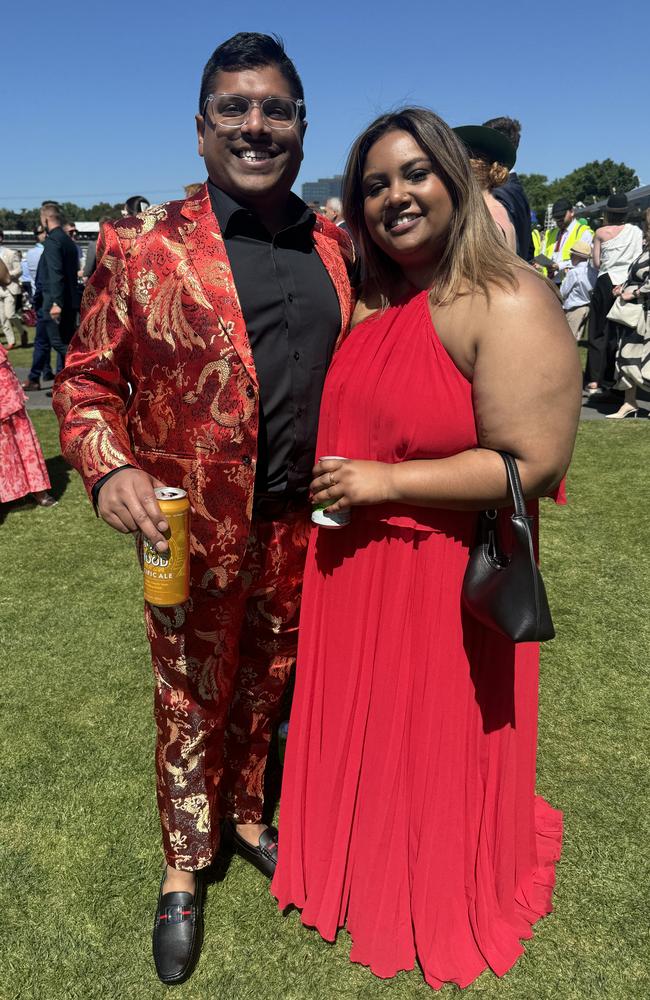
<point x="408" y="810"/>
<point x="22" y="466"/>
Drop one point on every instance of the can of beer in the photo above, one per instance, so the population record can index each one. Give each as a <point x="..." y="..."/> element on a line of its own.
<point x="167" y="574"/>
<point x="319" y="513"/>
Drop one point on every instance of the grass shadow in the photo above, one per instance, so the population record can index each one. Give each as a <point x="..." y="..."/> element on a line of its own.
<point x="59" y="473"/>
<point x="22" y="502"/>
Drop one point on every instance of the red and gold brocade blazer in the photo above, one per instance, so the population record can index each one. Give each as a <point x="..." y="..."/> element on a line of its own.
<point x="160" y="373"/>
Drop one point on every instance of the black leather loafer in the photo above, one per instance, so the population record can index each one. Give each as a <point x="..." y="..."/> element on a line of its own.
<point x="264" y="856"/>
<point x="178" y="933"/>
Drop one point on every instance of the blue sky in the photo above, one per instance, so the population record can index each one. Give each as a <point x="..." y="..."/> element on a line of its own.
<point x="99" y="98"/>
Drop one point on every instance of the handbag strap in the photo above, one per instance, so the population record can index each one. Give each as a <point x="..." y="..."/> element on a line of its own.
<point x="514" y="482"/>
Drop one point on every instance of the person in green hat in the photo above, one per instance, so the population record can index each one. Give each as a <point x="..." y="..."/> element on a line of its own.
<point x="492" y="156"/>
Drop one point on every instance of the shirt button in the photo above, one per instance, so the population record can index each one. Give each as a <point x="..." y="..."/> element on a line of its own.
<point x="250" y="392"/>
<point x="296" y="356"/>
<point x="246" y="460"/>
<point x="299" y="411"/>
<point x="290" y="297"/>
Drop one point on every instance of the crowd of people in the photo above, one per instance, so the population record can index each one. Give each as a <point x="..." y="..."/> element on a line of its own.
<point x="42" y="289"/>
<point x="236" y="344"/>
<point x="601" y="279"/>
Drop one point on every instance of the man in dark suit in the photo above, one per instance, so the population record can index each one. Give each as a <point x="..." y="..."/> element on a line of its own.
<point x="511" y="194"/>
<point x="57" y="275"/>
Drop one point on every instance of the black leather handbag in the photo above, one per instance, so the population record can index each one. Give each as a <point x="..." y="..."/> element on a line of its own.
<point x="505" y="591"/>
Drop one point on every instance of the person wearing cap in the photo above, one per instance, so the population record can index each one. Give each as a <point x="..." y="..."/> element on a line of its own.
<point x="492" y="156"/>
<point x="557" y="241"/>
<point x="617" y="244"/>
<point x="576" y="288"/>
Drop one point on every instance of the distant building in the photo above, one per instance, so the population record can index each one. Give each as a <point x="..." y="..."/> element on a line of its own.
<point x="322" y="189"/>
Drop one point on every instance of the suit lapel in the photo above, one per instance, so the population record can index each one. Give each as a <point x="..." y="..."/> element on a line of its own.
<point x="206" y="249"/>
<point x="330" y="253"/>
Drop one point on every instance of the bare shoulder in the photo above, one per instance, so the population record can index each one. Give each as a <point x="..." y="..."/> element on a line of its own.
<point x="531" y="306"/>
<point x="605" y="233"/>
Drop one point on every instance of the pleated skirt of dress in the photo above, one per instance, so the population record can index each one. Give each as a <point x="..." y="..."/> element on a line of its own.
<point x="408" y="811"/>
<point x="22" y="466"/>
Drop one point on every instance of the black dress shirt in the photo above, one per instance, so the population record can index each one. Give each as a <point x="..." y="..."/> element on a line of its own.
<point x="293" y="318"/>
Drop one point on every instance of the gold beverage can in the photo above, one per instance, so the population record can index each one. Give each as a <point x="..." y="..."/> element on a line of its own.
<point x="167" y="574"/>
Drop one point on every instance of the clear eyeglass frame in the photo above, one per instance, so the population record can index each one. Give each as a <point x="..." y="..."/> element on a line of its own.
<point x="252" y="103"/>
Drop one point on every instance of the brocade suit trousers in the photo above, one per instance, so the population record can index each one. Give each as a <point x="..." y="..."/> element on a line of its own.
<point x="221" y="663"/>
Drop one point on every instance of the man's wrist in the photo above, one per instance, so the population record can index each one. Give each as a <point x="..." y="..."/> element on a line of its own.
<point x="100" y="482"/>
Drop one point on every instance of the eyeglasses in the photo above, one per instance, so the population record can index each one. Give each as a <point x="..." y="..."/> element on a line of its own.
<point x="233" y="111"/>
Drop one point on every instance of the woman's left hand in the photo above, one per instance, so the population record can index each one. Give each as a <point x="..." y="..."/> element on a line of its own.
<point x="628" y="294"/>
<point x="340" y="483"/>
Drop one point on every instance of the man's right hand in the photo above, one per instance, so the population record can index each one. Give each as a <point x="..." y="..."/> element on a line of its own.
<point x="128" y="503"/>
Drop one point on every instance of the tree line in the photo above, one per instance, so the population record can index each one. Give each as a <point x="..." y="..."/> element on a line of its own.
<point x="588" y="183"/>
<point x="27" y="218"/>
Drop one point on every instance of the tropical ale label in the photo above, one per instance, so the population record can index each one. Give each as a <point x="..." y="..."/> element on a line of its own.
<point x="167" y="574"/>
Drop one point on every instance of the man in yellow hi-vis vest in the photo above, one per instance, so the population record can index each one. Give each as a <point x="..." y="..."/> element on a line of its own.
<point x="557" y="242"/>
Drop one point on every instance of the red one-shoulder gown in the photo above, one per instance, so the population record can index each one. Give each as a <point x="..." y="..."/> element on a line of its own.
<point x="408" y="810"/>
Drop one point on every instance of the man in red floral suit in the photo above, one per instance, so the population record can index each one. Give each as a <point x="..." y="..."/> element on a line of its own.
<point x="206" y="333"/>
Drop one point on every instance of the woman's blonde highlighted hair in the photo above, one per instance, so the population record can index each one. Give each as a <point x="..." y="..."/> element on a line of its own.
<point x="475" y="256"/>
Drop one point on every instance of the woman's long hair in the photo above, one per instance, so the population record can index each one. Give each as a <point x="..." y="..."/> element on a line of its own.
<point x="474" y="257"/>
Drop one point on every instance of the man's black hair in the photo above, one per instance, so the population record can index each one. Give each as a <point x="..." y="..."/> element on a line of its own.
<point x="250" y="50"/>
<point x="509" y="127"/>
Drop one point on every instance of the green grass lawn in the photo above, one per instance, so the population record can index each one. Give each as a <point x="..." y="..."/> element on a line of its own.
<point x="80" y="840"/>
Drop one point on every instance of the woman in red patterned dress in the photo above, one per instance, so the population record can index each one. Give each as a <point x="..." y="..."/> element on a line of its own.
<point x="22" y="466"/>
<point x="408" y="811"/>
